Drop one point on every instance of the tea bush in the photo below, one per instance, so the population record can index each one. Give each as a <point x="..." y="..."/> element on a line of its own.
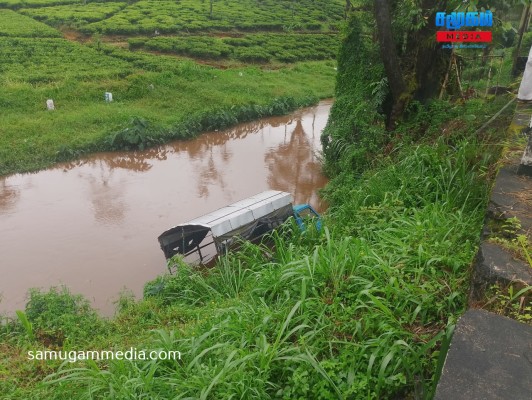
<point x="74" y="15"/>
<point x="194" y="15"/>
<point x="16" y="4"/>
<point x="194" y="46"/>
<point x="45" y="60"/>
<point x="16" y="25"/>
<point x="249" y="48"/>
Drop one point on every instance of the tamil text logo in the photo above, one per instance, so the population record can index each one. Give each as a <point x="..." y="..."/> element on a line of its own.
<point x="457" y="20"/>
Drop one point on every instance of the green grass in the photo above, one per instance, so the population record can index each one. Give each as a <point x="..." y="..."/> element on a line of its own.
<point x="361" y="309"/>
<point x="159" y="97"/>
<point x="178" y="98"/>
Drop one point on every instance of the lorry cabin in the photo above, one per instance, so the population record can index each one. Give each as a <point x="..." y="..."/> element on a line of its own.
<point x="203" y="238"/>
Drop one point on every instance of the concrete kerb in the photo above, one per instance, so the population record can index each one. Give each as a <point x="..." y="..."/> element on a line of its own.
<point x="490" y="356"/>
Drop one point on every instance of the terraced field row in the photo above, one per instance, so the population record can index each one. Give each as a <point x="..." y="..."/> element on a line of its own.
<point x="164" y="16"/>
<point x="247" y="31"/>
<point x="45" y="60"/>
<point x="74" y="14"/>
<point x="249" y="48"/>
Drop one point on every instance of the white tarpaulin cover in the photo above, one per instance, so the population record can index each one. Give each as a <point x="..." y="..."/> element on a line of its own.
<point x="248" y="219"/>
<point x="525" y="90"/>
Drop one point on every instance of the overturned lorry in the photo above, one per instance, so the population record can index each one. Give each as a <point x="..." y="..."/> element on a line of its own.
<point x="202" y="239"/>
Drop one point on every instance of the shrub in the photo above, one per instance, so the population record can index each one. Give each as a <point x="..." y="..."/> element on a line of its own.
<point x="139" y="135"/>
<point x="252" y="54"/>
<point x="58" y="316"/>
<point x="185" y="286"/>
<point x="136" y="43"/>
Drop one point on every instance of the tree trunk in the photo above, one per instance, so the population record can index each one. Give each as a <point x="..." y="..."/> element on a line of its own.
<point x="391" y="62"/>
<point x="523" y="26"/>
<point x="348" y="8"/>
<point x="424" y="61"/>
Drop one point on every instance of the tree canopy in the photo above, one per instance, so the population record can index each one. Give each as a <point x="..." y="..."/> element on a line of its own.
<point x="389" y="62"/>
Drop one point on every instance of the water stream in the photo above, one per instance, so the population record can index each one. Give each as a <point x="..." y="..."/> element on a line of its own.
<point x="92" y="224"/>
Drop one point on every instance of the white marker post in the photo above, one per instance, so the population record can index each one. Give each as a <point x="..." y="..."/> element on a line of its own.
<point x="50" y="104"/>
<point x="108" y="97"/>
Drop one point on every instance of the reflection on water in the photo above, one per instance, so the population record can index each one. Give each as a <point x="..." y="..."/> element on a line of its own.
<point x="92" y="224"/>
<point x="108" y="203"/>
<point x="9" y="194"/>
<point x="294" y="167"/>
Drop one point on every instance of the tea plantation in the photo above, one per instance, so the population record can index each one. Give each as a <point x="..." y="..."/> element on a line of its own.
<point x="186" y="15"/>
<point x="280" y="55"/>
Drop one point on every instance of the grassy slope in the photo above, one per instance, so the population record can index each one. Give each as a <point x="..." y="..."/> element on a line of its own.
<point x="165" y="91"/>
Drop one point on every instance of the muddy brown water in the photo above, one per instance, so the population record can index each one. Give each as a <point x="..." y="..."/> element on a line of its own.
<point x="92" y="224"/>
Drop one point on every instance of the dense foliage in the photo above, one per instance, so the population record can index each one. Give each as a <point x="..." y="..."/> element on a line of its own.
<point x="355" y="132"/>
<point x="15" y="4"/>
<point x="55" y="60"/>
<point x="364" y="104"/>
